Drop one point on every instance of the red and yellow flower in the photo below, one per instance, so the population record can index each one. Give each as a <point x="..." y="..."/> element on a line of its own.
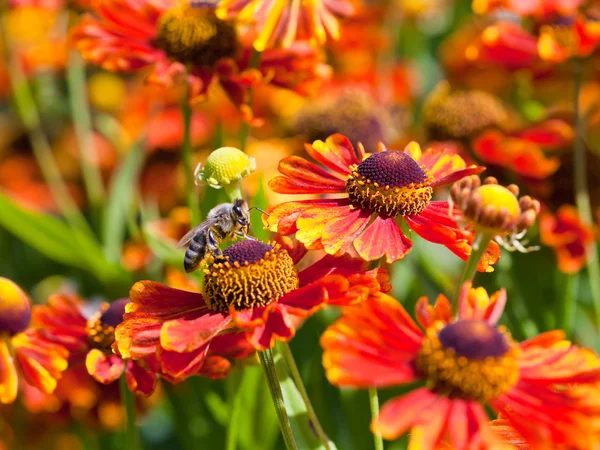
<point x="376" y="192"/>
<point x="24" y="352"/>
<point x="253" y="291"/>
<point x="280" y="23"/>
<point x="568" y="236"/>
<point x="537" y="8"/>
<point x="186" y="41"/>
<point x="89" y="340"/>
<point x="546" y="388"/>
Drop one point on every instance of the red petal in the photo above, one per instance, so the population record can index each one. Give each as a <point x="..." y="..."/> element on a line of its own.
<point x="303" y="177"/>
<point x="104" y="368"/>
<point x="139" y="379"/>
<point x="336" y="153"/>
<point x="282" y="218"/>
<point x="187" y="335"/>
<point x="180" y="366"/>
<point x="215" y="368"/>
<point x="278" y="325"/>
<point x="383" y="237"/>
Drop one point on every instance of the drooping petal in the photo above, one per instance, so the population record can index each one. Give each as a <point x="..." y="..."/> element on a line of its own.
<point x="41" y="362"/>
<point x="139" y="379"/>
<point x="372" y="344"/>
<point x="427" y="315"/>
<point x="278" y="325"/>
<point x="214" y="367"/>
<point x="233" y="345"/>
<point x="383" y="237"/>
<point x="307" y="300"/>
<point x="336" y="153"/>
<point x="282" y="218"/>
<point x="187" y="335"/>
<point x="9" y="382"/>
<point x="303" y="177"/>
<point x="153" y="304"/>
<point x="179" y="366"/>
<point x="104" y="368"/>
<point x="332" y="228"/>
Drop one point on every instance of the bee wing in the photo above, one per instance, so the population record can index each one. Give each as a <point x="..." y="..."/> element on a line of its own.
<point x="197" y="229"/>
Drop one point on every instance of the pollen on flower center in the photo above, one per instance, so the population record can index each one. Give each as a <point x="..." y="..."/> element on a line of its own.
<point x="192" y="33"/>
<point x="249" y="274"/>
<point x="390" y="183"/>
<point x="469" y="359"/>
<point x="101" y="326"/>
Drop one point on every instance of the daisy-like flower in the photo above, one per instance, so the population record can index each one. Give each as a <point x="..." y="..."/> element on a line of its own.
<point x="568" y="236"/>
<point x="537" y="8"/>
<point x="89" y="340"/>
<point x="24" y="353"/>
<point x="185" y="40"/>
<point x="280" y="23"/>
<point x="254" y="289"/>
<point x="377" y="192"/>
<point x="495" y="210"/>
<point x="545" y="387"/>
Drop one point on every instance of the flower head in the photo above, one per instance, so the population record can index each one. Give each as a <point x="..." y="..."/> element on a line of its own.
<point x="279" y="23"/>
<point x="224" y="166"/>
<point x="495" y="209"/>
<point x="568" y="236"/>
<point x="253" y="291"/>
<point x="466" y="364"/>
<point x="375" y="192"/>
<point x="24" y="352"/>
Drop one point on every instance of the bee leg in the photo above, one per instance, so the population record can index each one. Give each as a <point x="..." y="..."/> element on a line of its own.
<point x="213" y="243"/>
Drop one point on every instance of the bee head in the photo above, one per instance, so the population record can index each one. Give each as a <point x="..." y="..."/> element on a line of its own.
<point x="239" y="212"/>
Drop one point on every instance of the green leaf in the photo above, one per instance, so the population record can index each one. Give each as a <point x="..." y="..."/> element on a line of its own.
<point x="119" y="201"/>
<point x="260" y="201"/>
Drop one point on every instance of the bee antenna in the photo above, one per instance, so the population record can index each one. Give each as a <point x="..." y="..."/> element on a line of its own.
<point x="257" y="208"/>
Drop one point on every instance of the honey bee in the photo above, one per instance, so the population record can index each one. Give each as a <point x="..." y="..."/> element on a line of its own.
<point x="224" y="221"/>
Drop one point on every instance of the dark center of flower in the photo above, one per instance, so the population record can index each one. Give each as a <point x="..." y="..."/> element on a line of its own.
<point x="191" y="33"/>
<point x="469" y="359"/>
<point x="390" y="183"/>
<point x="249" y="274"/>
<point x="15" y="310"/>
<point x="101" y="326"/>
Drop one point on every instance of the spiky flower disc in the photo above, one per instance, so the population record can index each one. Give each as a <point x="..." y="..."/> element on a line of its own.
<point x="225" y="166"/>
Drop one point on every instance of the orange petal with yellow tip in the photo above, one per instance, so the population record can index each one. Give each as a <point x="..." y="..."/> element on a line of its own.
<point x="427" y="314"/>
<point x="104" y="368"/>
<point x="8" y="375"/>
<point x="336" y="153"/>
<point x="383" y="237"/>
<point x="476" y="304"/>
<point x="282" y="218"/>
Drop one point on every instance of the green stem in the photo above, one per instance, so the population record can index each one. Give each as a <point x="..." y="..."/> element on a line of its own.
<point x="480" y="244"/>
<point x="566" y="318"/>
<point x="28" y="112"/>
<point x="374" y="402"/>
<point x="82" y="121"/>
<point x="268" y="365"/>
<point x="190" y="187"/>
<point x="582" y="197"/>
<point x="234" y="415"/>
<point x="286" y="352"/>
<point x="128" y="399"/>
<point x="245" y="126"/>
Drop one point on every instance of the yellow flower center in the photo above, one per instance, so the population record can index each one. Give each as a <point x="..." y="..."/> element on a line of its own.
<point x="469" y="359"/>
<point x="390" y="183"/>
<point x="190" y="32"/>
<point x="249" y="274"/>
<point x="498" y="197"/>
<point x="15" y="308"/>
<point x="224" y="166"/>
<point x="101" y="326"/>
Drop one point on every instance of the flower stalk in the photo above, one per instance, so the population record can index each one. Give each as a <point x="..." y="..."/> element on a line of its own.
<point x="582" y="197"/>
<point x="286" y="352"/>
<point x="268" y="365"/>
<point x="128" y="399"/>
<point x="245" y="126"/>
<point x="190" y="187"/>
<point x="374" y="402"/>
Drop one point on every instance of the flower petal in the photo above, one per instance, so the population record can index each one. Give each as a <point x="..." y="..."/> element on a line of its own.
<point x="9" y="382"/>
<point x="179" y="366"/>
<point x="277" y="326"/>
<point x="282" y="218"/>
<point x="476" y="304"/>
<point x="139" y="379"/>
<point x="215" y="368"/>
<point x="336" y="152"/>
<point x="104" y="368"/>
<point x="303" y="177"/>
<point x="372" y="344"/>
<point x="427" y="315"/>
<point x="383" y="237"/>
<point x="187" y="335"/>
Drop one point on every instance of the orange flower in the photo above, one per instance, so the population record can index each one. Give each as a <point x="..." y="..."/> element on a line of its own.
<point x="167" y="36"/>
<point x="253" y="289"/>
<point x="89" y="341"/>
<point x="568" y="236"/>
<point x="376" y="191"/>
<point x="544" y="387"/>
<point x="280" y="23"/>
<point x="578" y="37"/>
<point x="537" y="8"/>
<point x="24" y="351"/>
